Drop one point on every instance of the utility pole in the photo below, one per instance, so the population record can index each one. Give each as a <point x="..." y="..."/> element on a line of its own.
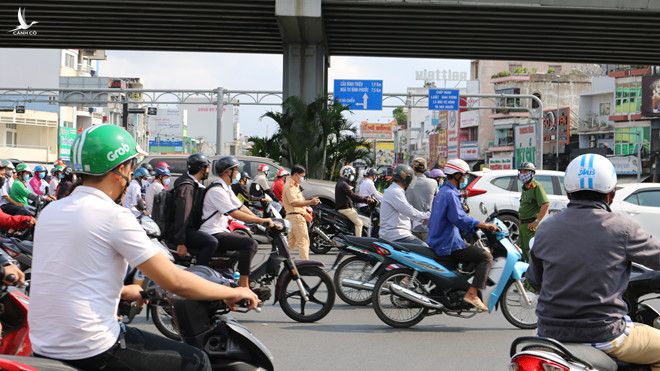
<point x="220" y="107"/>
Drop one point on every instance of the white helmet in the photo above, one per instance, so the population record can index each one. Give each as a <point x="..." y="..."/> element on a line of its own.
<point x="347" y="172"/>
<point x="590" y="172"/>
<point x="456" y="166"/>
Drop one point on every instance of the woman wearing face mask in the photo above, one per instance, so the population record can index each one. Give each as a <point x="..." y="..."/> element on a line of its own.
<point x="438" y="176"/>
<point x="37" y="183"/>
<point x="534" y="205"/>
<point x="66" y="184"/>
<point x="159" y="184"/>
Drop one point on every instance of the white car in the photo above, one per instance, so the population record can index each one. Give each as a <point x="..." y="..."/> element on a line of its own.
<point x="500" y="190"/>
<point x="641" y="202"/>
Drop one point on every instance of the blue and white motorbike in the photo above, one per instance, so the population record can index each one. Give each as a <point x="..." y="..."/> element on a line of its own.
<point x="425" y="284"/>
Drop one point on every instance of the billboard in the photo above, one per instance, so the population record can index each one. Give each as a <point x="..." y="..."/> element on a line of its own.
<point x="66" y="137"/>
<point x="469" y="150"/>
<point x="525" y="142"/>
<point x="384" y="153"/>
<point x="469" y="119"/>
<point x="500" y="163"/>
<point x="452" y="135"/>
<point x="551" y="121"/>
<point x="651" y="96"/>
<point x="380" y="131"/>
<point x="167" y="124"/>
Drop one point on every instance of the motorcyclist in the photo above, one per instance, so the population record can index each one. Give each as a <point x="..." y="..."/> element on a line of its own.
<point x="102" y="238"/>
<point x="7" y="221"/>
<point x="162" y="179"/>
<point x="438" y="176"/>
<point x="581" y="261"/>
<point x="7" y="204"/>
<point x="20" y="189"/>
<point x="219" y="203"/>
<point x="55" y="180"/>
<point x="133" y="199"/>
<point x="396" y="213"/>
<point x="447" y="220"/>
<point x="241" y="190"/>
<point x="37" y="184"/>
<point x="278" y="186"/>
<point x="534" y="205"/>
<point x="344" y="198"/>
<point x="260" y="186"/>
<point x="367" y="189"/>
<point x="67" y="183"/>
<point x="420" y="194"/>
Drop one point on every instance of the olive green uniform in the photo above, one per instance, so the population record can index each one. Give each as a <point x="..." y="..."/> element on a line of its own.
<point x="532" y="198"/>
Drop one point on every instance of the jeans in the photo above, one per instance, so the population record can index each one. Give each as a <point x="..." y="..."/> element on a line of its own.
<point x="412" y="239"/>
<point x="145" y="351"/>
<point x="483" y="260"/>
<point x="246" y="247"/>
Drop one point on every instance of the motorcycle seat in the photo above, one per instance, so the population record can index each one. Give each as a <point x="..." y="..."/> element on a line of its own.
<point x="446" y="261"/>
<point x="598" y="359"/>
<point x="366" y="242"/>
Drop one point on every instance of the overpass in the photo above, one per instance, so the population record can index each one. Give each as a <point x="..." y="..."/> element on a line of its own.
<point x="308" y="32"/>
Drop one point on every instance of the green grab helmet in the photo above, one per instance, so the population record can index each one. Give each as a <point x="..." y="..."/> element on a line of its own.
<point x="101" y="148"/>
<point x="23" y="167"/>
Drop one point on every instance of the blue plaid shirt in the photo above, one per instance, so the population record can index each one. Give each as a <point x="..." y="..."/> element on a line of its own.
<point x="447" y="220"/>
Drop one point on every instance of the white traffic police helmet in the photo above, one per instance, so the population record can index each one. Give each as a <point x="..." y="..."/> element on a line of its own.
<point x="590" y="172"/>
<point x="456" y="166"/>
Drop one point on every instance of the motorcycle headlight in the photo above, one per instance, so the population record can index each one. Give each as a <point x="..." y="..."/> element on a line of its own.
<point x="150" y="226"/>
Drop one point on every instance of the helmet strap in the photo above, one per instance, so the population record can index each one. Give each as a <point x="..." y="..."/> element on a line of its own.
<point x="121" y="195"/>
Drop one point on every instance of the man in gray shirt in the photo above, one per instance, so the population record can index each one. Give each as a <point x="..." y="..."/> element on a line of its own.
<point x="396" y="213"/>
<point x="420" y="194"/>
<point x="581" y="261"/>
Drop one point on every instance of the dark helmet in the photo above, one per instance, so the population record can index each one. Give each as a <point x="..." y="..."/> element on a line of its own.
<point x="149" y="168"/>
<point x="68" y="171"/>
<point x="245" y="175"/>
<point x="527" y="166"/>
<point x="371" y="172"/>
<point x="403" y="173"/>
<point x="224" y="163"/>
<point x="197" y="162"/>
<point x="162" y="171"/>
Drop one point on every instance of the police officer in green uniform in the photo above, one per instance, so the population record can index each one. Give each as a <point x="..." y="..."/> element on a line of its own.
<point x="534" y="205"/>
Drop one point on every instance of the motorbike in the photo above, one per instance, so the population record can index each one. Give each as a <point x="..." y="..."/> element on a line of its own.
<point x="204" y="324"/>
<point x="302" y="288"/>
<point x="536" y="353"/>
<point x="425" y="284"/>
<point x="329" y="223"/>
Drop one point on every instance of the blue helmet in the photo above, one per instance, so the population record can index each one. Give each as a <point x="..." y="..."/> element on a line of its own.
<point x="162" y="171"/>
<point x="141" y="173"/>
<point x="39" y="168"/>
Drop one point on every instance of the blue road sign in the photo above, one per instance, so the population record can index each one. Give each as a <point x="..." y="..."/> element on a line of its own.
<point x="360" y="94"/>
<point x="444" y="99"/>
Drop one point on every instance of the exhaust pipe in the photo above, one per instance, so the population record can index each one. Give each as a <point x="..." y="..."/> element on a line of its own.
<point x="414" y="297"/>
<point x="324" y="236"/>
<point x="355" y="284"/>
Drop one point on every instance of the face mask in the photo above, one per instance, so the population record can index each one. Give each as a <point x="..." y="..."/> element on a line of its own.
<point x="124" y="187"/>
<point x="9" y="174"/>
<point x="302" y="179"/>
<point x="237" y="177"/>
<point x="26" y="177"/>
<point x="464" y="183"/>
<point x="42" y="175"/>
<point x="525" y="177"/>
<point x="351" y="178"/>
<point x="167" y="181"/>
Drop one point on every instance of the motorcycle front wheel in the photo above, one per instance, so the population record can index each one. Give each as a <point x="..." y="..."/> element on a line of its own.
<point x="164" y="321"/>
<point x="357" y="269"/>
<point x="392" y="309"/>
<point x="515" y="308"/>
<point x="320" y="292"/>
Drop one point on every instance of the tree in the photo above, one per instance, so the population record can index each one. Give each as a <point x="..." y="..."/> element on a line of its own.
<point x="400" y="116"/>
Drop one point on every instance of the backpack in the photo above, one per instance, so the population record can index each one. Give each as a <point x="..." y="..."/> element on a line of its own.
<point x="162" y="211"/>
<point x="195" y="220"/>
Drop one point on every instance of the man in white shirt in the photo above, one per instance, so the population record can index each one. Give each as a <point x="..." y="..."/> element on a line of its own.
<point x="133" y="199"/>
<point x="396" y="214"/>
<point x="161" y="181"/>
<point x="220" y="203"/>
<point x="57" y="175"/>
<point x="77" y="275"/>
<point x="368" y="189"/>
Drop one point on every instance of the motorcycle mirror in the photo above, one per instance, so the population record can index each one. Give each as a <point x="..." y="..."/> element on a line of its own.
<point x="483" y="208"/>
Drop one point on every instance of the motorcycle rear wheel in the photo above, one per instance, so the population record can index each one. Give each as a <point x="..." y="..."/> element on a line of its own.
<point x="515" y="310"/>
<point x="382" y="297"/>
<point x="353" y="268"/>
<point x="315" y="281"/>
<point x="318" y="245"/>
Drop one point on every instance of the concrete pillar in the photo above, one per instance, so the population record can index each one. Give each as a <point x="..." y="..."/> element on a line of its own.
<point x="305" y="57"/>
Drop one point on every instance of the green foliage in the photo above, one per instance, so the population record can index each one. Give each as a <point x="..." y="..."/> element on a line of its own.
<point x="552" y="70"/>
<point x="316" y="135"/>
<point x="501" y="74"/>
<point x="400" y="116"/>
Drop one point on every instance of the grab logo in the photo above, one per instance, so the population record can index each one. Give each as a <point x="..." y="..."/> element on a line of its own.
<point x="113" y="155"/>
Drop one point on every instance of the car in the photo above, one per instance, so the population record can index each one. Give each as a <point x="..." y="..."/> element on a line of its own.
<point x="641" y="202"/>
<point x="322" y="189"/>
<point x="499" y="190"/>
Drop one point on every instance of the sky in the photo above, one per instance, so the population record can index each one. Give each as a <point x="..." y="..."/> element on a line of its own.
<point x="179" y="70"/>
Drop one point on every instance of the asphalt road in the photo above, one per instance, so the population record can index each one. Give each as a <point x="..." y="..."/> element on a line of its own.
<point x="353" y="337"/>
